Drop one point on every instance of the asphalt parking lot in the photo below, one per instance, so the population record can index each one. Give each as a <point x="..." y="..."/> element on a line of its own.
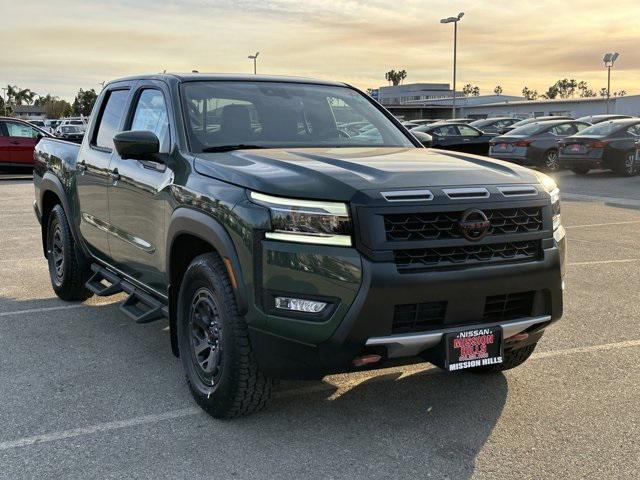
<point x="86" y="393"/>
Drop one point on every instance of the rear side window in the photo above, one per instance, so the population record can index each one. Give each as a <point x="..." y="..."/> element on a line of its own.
<point x="563" y="129"/>
<point x="447" y="131"/>
<point x="634" y="130"/>
<point x="110" y="118"/>
<point x="467" y="131"/>
<point x="151" y="115"/>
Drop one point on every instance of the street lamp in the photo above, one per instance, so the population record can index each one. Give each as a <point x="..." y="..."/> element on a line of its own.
<point x="254" y="58"/>
<point x="609" y="59"/>
<point x="455" y="21"/>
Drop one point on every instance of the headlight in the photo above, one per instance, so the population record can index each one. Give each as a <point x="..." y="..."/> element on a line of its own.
<point x="306" y="221"/>
<point x="552" y="189"/>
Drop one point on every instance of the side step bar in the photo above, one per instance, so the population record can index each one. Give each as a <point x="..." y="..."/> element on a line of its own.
<point x="139" y="305"/>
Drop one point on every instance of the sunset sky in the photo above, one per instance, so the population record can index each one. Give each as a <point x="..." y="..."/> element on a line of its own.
<point x="58" y="47"/>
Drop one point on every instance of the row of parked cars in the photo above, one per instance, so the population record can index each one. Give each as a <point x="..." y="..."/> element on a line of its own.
<point x="551" y="143"/>
<point x="19" y="137"/>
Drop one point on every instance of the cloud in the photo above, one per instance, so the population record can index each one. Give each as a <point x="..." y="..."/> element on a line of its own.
<point x="73" y="44"/>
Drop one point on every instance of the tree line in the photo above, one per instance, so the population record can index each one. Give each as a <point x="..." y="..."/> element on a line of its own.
<point x="54" y="107"/>
<point x="563" y="89"/>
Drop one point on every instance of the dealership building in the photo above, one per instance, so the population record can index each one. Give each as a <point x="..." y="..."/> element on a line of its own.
<point x="485" y="106"/>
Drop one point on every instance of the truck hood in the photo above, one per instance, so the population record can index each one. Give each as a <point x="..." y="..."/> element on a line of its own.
<point x="339" y="173"/>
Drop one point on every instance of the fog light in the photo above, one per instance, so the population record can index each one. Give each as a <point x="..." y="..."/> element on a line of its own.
<point x="299" y="305"/>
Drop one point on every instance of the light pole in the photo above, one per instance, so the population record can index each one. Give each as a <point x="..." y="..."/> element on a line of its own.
<point x="254" y="58"/>
<point x="609" y="59"/>
<point x="455" y="21"/>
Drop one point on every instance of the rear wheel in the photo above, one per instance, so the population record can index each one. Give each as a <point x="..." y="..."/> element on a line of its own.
<point x="215" y="350"/>
<point x="512" y="359"/>
<point x="550" y="161"/>
<point x="627" y="166"/>
<point x="65" y="267"/>
<point x="580" y="170"/>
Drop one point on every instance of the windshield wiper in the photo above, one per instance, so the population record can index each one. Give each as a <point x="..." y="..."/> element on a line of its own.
<point x="229" y="148"/>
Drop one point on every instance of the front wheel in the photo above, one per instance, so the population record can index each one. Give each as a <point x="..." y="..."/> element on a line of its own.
<point x="550" y="161"/>
<point x="627" y="167"/>
<point x="512" y="359"/>
<point x="68" y="276"/>
<point x="221" y="370"/>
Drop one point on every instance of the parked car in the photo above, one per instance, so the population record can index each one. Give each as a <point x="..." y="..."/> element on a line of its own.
<point x="527" y="121"/>
<point x="424" y="121"/>
<point x="409" y="125"/>
<point x="457" y="136"/>
<point x="458" y="120"/>
<point x="284" y="252"/>
<point x="593" y="119"/>
<point x="41" y="124"/>
<point x="535" y="144"/>
<point x="71" y="133"/>
<point x="494" y="125"/>
<point x="609" y="145"/>
<point x="17" y="141"/>
<point x="77" y="121"/>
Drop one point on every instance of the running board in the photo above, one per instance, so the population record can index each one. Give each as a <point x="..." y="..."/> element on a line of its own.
<point x="139" y="305"/>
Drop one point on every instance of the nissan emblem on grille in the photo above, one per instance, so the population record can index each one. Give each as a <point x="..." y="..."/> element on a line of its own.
<point x="474" y="224"/>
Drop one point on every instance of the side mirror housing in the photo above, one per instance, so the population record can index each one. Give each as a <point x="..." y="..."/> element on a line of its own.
<point x="136" y="144"/>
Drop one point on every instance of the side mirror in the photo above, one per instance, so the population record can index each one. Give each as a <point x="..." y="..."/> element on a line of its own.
<point x="136" y="144"/>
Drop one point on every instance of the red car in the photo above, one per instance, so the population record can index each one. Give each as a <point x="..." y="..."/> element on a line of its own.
<point x="17" y="140"/>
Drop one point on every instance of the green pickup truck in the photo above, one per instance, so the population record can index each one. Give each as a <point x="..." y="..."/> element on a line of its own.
<point x="292" y="228"/>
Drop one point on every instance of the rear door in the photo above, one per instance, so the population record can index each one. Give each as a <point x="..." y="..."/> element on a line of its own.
<point x="138" y="200"/>
<point x="21" y="140"/>
<point x="94" y="175"/>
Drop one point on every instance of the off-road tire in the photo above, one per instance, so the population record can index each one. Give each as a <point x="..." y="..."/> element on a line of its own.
<point x="237" y="386"/>
<point x="64" y="257"/>
<point x="580" y="170"/>
<point x="512" y="359"/>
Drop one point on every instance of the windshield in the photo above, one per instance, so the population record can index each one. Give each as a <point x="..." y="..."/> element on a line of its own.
<point x="604" y="128"/>
<point x="278" y="114"/>
<point x="528" y="129"/>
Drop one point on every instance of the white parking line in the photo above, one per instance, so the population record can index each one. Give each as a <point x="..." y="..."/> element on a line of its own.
<point x="601" y="262"/>
<point x="53" y="309"/>
<point x="193" y="411"/>
<point x="602" y="224"/>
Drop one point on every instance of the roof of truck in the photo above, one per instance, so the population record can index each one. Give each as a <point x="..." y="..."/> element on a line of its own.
<point x="200" y="77"/>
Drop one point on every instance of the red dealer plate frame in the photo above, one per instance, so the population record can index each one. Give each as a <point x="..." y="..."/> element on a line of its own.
<point x="474" y="348"/>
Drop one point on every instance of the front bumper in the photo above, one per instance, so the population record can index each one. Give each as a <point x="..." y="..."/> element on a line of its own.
<point x="367" y="323"/>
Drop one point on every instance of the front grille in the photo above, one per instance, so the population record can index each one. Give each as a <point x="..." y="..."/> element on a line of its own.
<point x="444" y="257"/>
<point x="418" y="317"/>
<point x="403" y="227"/>
<point x="508" y="306"/>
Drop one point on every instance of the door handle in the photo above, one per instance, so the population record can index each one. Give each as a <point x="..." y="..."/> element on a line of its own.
<point x="466" y="139"/>
<point x="114" y="175"/>
<point x="82" y="166"/>
<point x="14" y="142"/>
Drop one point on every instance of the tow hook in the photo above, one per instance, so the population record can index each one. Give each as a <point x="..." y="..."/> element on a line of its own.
<point x="366" y="360"/>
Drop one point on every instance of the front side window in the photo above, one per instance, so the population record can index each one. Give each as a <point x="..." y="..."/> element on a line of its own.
<point x="634" y="130"/>
<point x="110" y="118"/>
<point x="16" y="129"/>
<point x="151" y="115"/>
<point x="278" y="115"/>
<point x="467" y="131"/>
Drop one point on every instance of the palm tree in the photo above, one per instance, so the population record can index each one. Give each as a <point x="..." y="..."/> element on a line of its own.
<point x="17" y="95"/>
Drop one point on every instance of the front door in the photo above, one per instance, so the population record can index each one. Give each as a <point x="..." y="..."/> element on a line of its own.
<point x="138" y="200"/>
<point x="93" y="174"/>
<point x="19" y="142"/>
<point x="472" y="140"/>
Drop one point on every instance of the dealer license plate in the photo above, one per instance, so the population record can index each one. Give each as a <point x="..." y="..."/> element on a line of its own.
<point x="474" y="348"/>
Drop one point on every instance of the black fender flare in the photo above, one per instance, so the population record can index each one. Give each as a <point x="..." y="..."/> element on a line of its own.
<point x="194" y="222"/>
<point x="51" y="183"/>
